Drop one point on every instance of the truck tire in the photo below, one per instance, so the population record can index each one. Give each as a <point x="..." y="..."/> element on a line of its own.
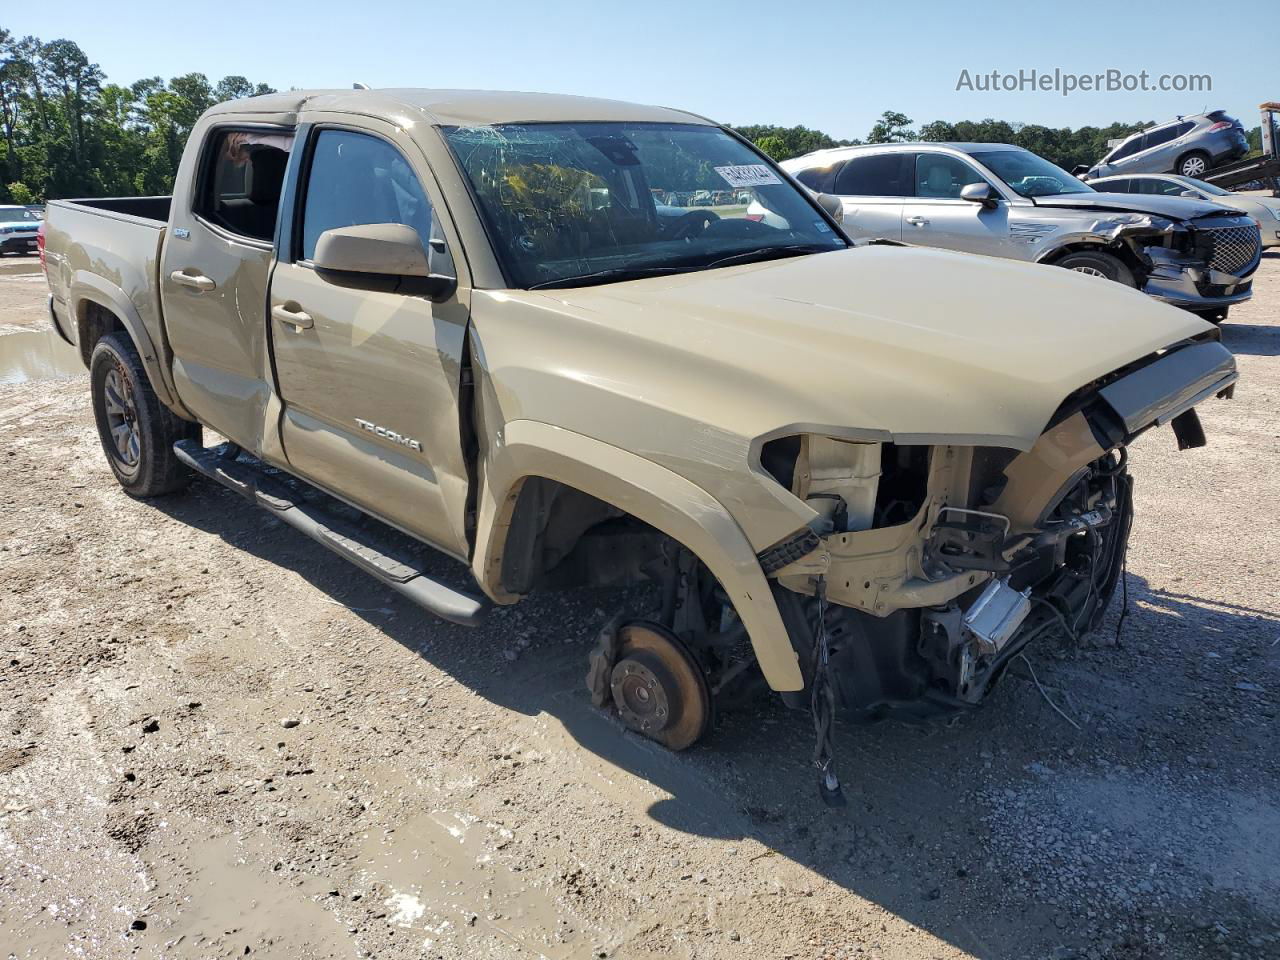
<point x="1096" y="263"/>
<point x="137" y="431"/>
<point x="1193" y="164"/>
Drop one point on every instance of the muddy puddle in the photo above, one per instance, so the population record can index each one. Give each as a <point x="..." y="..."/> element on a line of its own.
<point x="443" y="885"/>
<point x="37" y="355"/>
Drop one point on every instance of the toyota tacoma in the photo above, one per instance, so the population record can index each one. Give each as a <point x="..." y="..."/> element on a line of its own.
<point x="513" y="327"/>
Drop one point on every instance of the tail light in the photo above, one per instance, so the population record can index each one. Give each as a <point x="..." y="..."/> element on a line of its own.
<point x="1220" y="125"/>
<point x="40" y="247"/>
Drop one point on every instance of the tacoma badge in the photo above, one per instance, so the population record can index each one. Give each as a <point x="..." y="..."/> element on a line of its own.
<point x="390" y="435"/>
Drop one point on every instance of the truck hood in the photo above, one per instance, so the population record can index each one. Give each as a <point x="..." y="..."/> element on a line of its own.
<point x="1175" y="208"/>
<point x="910" y="344"/>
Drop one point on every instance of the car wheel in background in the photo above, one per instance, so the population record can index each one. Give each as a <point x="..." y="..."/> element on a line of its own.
<point x="1194" y="164"/>
<point x="136" y="429"/>
<point x="1095" y="263"/>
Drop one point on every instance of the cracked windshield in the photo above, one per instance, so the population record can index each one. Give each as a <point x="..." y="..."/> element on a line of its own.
<point x="572" y="204"/>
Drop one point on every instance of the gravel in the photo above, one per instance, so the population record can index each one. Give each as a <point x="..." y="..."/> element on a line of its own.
<point x="452" y="793"/>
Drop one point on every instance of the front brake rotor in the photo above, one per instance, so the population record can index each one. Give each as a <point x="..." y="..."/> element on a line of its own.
<point x="657" y="686"/>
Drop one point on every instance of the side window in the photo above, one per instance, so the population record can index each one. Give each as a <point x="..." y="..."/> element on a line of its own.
<point x="1160" y="187"/>
<point x="1126" y="149"/>
<point x="819" y="179"/>
<point x="243" y="177"/>
<point x="1114" y="186"/>
<point x="939" y="176"/>
<point x="355" y="179"/>
<point x="1162" y="136"/>
<point x="1183" y="128"/>
<point x="879" y="175"/>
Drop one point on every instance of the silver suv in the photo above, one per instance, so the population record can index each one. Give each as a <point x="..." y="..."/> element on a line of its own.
<point x="1188" y="146"/>
<point x="1003" y="201"/>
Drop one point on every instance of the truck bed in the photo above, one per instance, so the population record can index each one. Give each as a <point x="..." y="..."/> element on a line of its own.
<point x="143" y="208"/>
<point x="106" y="252"/>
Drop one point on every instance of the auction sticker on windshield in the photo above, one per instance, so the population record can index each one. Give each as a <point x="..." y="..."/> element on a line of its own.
<point x="748" y="175"/>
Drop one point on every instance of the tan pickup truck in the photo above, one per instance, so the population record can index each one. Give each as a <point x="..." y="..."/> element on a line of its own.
<point x="554" y="338"/>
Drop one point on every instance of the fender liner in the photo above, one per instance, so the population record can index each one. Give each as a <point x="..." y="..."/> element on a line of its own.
<point x="88" y="287"/>
<point x="647" y="491"/>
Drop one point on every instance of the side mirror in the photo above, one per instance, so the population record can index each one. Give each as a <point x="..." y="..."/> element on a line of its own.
<point x="1190" y="193"/>
<point x="1079" y="170"/>
<point x="833" y="206"/>
<point x="979" y="193"/>
<point x="387" y="257"/>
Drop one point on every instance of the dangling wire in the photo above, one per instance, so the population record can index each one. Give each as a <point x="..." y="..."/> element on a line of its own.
<point x="822" y="704"/>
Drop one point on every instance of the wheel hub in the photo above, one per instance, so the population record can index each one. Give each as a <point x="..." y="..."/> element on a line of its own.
<point x="122" y="417"/>
<point x="641" y="698"/>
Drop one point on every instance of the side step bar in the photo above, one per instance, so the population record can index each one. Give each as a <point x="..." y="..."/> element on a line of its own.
<point x="400" y="573"/>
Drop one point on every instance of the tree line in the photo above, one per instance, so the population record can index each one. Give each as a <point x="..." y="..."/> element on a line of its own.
<point x="68" y="132"/>
<point x="1061" y="145"/>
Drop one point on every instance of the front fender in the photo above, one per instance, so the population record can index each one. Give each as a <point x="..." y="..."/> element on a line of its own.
<point x="647" y="491"/>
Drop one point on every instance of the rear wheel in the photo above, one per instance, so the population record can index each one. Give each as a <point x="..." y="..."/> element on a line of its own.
<point x="1194" y="164"/>
<point x="1096" y="263"/>
<point x="137" y="431"/>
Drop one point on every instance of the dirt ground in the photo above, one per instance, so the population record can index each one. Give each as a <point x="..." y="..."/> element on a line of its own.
<point x="218" y="740"/>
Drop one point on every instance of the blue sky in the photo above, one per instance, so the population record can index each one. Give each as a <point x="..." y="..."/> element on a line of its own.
<point x="834" y="65"/>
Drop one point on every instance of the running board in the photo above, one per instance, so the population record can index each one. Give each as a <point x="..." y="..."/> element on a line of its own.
<point x="399" y="572"/>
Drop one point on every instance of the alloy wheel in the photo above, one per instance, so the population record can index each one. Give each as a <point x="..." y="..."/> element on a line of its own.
<point x="122" y="417"/>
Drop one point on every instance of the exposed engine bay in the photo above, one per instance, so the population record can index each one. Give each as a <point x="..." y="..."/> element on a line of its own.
<point x="936" y="565"/>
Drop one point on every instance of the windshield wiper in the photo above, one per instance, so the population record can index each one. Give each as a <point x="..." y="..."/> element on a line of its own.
<point x="770" y="253"/>
<point x="608" y="276"/>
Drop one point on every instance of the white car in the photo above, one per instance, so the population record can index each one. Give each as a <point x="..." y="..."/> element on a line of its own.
<point x="1266" y="210"/>
<point x="18" y="226"/>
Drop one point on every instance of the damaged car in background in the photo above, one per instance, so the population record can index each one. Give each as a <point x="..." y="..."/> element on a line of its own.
<point x="1004" y="201"/>
<point x="548" y="337"/>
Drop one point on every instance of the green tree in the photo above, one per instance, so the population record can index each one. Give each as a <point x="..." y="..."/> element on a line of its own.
<point x="892" y="127"/>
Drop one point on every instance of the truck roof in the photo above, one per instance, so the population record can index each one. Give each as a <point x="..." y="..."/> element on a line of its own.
<point x="458" y="107"/>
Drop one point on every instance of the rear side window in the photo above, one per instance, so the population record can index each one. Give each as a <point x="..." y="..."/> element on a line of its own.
<point x="1184" y="128"/>
<point x="819" y="179"/>
<point x="244" y="175"/>
<point x="879" y="175"/>
<point x="1114" y="186"/>
<point x="356" y="179"/>
<point x="1157" y="137"/>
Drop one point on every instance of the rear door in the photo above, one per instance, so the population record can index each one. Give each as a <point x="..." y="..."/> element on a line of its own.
<point x="214" y="270"/>
<point x="369" y="380"/>
<point x="872" y="187"/>
<point x="936" y="216"/>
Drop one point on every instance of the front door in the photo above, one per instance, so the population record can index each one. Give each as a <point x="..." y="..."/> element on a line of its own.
<point x="936" y="216"/>
<point x="370" y="380"/>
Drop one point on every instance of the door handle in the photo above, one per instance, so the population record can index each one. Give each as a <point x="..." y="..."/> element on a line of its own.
<point x="196" y="281"/>
<point x="296" y="318"/>
<point x="917" y="221"/>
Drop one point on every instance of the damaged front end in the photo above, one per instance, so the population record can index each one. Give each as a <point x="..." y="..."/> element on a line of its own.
<point x="930" y="567"/>
<point x="1204" y="264"/>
